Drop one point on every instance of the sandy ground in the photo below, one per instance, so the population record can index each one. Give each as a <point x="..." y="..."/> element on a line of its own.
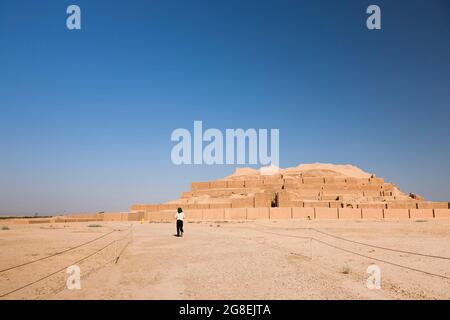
<point x="228" y="260"/>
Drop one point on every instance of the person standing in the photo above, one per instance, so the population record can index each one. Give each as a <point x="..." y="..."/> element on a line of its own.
<point x="180" y="217"/>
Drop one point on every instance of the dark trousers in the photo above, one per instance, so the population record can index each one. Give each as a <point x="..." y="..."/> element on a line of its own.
<point x="179" y="227"/>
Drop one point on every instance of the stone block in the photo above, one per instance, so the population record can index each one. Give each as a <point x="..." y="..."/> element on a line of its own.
<point x="296" y="203"/>
<point x="257" y="213"/>
<point x="374" y="205"/>
<point x="326" y="213"/>
<point x="314" y="180"/>
<point x="432" y="205"/>
<point x="218" y="184"/>
<point x="336" y="204"/>
<point x="214" y="214"/>
<point x="263" y="199"/>
<point x="193" y="215"/>
<point x="356" y="181"/>
<point x="330" y="197"/>
<point x="396" y="213"/>
<point x="372" y="213"/>
<point x="402" y="205"/>
<point x="235" y="213"/>
<point x="335" y="180"/>
<point x="280" y="213"/>
<point x="158" y="217"/>
<point x="248" y="202"/>
<point x="219" y="205"/>
<point x="302" y="213"/>
<point x="372" y="193"/>
<point x="349" y="214"/>
<point x="253" y="183"/>
<point x="441" y="213"/>
<point x="317" y="204"/>
<point x="421" y="213"/>
<point x="307" y="193"/>
<point x="273" y="181"/>
<point x="292" y="185"/>
<point x="235" y="184"/>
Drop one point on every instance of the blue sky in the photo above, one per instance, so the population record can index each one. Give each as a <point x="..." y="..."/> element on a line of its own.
<point x="86" y="116"/>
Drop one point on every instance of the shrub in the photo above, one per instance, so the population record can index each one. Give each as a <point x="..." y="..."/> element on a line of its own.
<point x="94" y="225"/>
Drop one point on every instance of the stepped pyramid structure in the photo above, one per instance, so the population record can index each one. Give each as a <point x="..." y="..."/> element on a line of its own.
<point x="304" y="186"/>
<point x="307" y="191"/>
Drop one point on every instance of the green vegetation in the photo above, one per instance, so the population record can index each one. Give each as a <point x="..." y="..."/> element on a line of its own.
<point x="346" y="270"/>
<point x="24" y="217"/>
<point x="94" y="225"/>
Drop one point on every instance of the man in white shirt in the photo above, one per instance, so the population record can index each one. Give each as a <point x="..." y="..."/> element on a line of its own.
<point x="179" y="216"/>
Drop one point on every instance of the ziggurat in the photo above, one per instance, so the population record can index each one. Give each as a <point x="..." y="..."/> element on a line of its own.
<point x="312" y="190"/>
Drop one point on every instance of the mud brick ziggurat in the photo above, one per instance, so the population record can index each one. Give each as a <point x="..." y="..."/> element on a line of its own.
<point x="308" y="191"/>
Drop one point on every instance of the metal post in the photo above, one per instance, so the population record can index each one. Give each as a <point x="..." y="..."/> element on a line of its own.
<point x="115" y="250"/>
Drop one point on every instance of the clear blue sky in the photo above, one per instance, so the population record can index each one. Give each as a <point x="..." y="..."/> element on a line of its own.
<point x="86" y="116"/>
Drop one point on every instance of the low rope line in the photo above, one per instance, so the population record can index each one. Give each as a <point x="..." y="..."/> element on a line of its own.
<point x="114" y="259"/>
<point x="359" y="254"/>
<point x="124" y="247"/>
<point x="384" y="261"/>
<point x="383" y="248"/>
<point x="373" y="246"/>
<point x="57" y="253"/>
<point x="62" y="269"/>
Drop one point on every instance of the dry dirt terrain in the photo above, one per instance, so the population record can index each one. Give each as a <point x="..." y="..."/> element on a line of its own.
<point x="228" y="260"/>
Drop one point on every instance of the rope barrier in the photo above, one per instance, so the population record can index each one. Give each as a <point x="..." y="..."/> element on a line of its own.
<point x="57" y="253"/>
<point x="123" y="249"/>
<point x="358" y="254"/>
<point x="76" y="262"/>
<point x="375" y="246"/>
<point x="263" y="231"/>
<point x="383" y="248"/>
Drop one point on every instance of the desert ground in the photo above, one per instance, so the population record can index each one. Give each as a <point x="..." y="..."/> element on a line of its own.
<point x="295" y="259"/>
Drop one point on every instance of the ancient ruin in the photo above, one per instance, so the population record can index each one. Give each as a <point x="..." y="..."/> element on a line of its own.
<point x="307" y="190"/>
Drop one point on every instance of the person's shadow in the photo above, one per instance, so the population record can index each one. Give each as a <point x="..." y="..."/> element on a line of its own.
<point x="175" y="235"/>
